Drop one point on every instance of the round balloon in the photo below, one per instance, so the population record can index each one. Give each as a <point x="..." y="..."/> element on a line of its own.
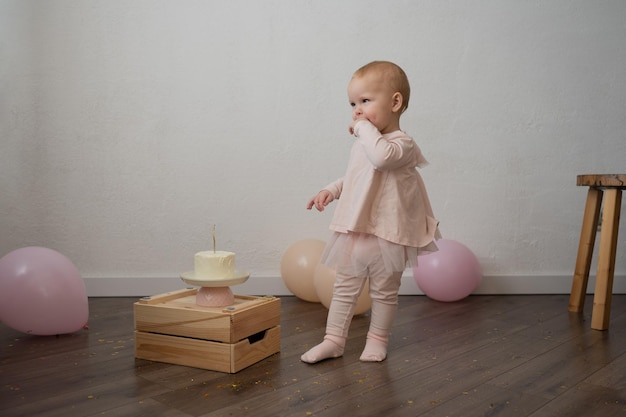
<point x="41" y="292"/>
<point x="450" y="274"/>
<point x="324" y="280"/>
<point x="298" y="266"/>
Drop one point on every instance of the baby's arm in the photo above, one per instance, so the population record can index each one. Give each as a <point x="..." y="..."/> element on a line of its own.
<point x="321" y="200"/>
<point x="382" y="153"/>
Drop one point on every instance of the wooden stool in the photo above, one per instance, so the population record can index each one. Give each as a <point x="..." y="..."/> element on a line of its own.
<point x="611" y="185"/>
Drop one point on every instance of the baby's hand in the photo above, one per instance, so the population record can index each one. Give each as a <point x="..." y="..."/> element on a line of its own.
<point x="321" y="200"/>
<point x="353" y="124"/>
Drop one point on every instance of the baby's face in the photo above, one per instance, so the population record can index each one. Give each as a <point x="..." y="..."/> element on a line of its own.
<point x="372" y="99"/>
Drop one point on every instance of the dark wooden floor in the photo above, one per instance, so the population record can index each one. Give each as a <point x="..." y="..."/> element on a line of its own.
<point x="484" y="356"/>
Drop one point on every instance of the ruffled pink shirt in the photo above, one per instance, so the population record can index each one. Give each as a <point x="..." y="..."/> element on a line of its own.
<point x="382" y="193"/>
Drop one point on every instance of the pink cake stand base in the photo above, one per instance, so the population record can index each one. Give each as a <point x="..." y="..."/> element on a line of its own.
<point x="215" y="297"/>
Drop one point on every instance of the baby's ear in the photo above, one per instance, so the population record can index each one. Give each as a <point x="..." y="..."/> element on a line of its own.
<point x="397" y="101"/>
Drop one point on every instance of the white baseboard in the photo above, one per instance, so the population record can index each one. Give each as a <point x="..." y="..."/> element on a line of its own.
<point x="138" y="286"/>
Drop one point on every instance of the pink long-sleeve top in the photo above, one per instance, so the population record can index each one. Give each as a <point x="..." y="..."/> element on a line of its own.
<point x="381" y="192"/>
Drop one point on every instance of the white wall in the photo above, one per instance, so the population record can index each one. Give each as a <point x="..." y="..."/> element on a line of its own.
<point x="129" y="128"/>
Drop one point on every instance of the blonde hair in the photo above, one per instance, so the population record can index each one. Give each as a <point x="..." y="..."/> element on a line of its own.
<point x="393" y="74"/>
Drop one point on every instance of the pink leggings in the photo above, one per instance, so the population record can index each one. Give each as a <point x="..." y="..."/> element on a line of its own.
<point x="383" y="290"/>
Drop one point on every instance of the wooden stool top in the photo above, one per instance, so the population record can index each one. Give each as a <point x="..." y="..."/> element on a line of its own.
<point x="602" y="180"/>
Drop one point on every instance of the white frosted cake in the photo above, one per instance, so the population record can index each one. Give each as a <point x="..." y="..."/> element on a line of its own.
<point x="214" y="265"/>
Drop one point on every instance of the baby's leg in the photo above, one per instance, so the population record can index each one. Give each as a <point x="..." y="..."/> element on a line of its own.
<point x="384" y="295"/>
<point x="345" y="295"/>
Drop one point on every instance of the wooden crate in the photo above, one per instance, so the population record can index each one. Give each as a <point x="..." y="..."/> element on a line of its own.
<point x="172" y="328"/>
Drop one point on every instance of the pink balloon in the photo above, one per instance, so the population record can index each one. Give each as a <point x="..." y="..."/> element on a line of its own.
<point x="450" y="274"/>
<point x="41" y="292"/>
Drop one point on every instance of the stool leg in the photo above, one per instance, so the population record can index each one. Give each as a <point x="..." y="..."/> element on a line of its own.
<point x="585" y="250"/>
<point x="606" y="260"/>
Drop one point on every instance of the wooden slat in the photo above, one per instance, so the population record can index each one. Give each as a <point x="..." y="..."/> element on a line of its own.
<point x="183" y="351"/>
<point x="585" y="250"/>
<point x="169" y="296"/>
<point x="602" y="180"/>
<point x="606" y="259"/>
<point x="187" y="322"/>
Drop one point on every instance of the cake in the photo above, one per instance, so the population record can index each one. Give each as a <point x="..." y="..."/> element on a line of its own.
<point x="214" y="265"/>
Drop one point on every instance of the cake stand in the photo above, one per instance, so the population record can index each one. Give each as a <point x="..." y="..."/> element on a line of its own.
<point x="215" y="292"/>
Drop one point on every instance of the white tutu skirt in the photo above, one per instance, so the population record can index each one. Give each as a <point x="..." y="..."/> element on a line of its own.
<point x="355" y="254"/>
